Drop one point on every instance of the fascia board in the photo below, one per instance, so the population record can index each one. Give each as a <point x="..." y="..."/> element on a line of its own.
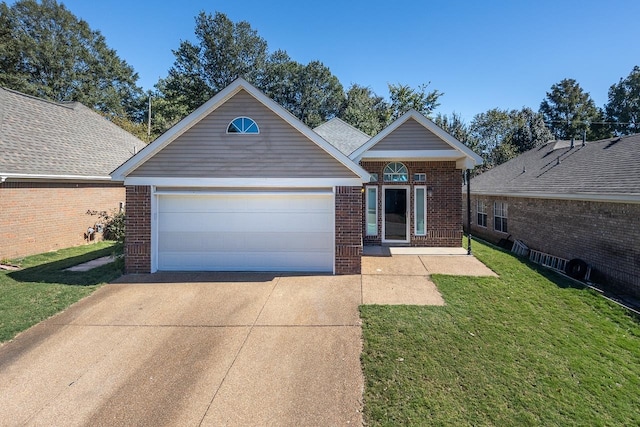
<point x="54" y="177"/>
<point x="585" y="197"/>
<point x="412" y="154"/>
<point x="245" y="182"/>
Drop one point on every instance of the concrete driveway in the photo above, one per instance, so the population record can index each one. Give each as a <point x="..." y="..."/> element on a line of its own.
<point x="211" y="349"/>
<point x="193" y="349"/>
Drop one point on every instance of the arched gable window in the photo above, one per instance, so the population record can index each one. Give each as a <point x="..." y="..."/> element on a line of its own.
<point x="395" y="172"/>
<point x="243" y="125"/>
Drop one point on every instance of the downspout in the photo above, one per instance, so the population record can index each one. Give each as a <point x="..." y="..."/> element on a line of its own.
<point x="468" y="211"/>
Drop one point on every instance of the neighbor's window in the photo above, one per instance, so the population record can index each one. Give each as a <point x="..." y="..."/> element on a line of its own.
<point x="419" y="177"/>
<point x="374" y="177"/>
<point x="372" y="211"/>
<point x="395" y="172"/>
<point x="420" y="210"/>
<point x="481" y="208"/>
<point x="500" y="216"/>
<point x="243" y="125"/>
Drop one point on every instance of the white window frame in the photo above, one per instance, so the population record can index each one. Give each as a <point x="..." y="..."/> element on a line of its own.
<point x="481" y="211"/>
<point x="366" y="209"/>
<point x="415" y="210"/>
<point x="501" y="213"/>
<point x="244" y="131"/>
<point x="394" y="171"/>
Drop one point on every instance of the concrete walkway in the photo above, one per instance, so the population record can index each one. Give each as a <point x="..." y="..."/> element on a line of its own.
<point x="210" y="349"/>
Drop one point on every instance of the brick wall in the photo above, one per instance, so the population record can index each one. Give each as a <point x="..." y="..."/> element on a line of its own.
<point x="444" y="207"/>
<point x="38" y="217"/>
<point x="348" y="230"/>
<point x="138" y="237"/>
<point x="605" y="235"/>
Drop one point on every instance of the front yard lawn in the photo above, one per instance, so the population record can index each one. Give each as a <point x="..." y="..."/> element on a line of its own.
<point x="41" y="288"/>
<point x="527" y="348"/>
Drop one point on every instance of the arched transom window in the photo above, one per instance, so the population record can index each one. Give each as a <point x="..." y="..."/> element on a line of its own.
<point x="243" y="125"/>
<point x="395" y="172"/>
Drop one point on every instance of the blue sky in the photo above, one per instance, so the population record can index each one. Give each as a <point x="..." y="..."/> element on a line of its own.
<point x="481" y="54"/>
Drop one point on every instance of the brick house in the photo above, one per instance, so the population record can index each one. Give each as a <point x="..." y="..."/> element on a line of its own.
<point x="241" y="184"/>
<point x="55" y="161"/>
<point x="571" y="200"/>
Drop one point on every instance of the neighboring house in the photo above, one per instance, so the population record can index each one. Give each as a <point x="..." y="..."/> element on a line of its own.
<point x="55" y="161"/>
<point x="573" y="201"/>
<point x="241" y="184"/>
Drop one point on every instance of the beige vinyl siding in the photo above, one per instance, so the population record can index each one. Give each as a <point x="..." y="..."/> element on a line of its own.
<point x="411" y="135"/>
<point x="278" y="151"/>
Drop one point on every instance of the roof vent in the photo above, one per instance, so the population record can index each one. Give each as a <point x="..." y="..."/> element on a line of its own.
<point x="572" y="142"/>
<point x="584" y="137"/>
<point x="558" y="160"/>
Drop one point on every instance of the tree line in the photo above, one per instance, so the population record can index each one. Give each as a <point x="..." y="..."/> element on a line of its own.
<point x="48" y="52"/>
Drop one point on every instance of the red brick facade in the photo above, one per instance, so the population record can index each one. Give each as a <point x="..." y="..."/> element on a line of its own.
<point x="444" y="206"/>
<point x="137" y="247"/>
<point x="348" y="224"/>
<point x="604" y="234"/>
<point x="38" y="217"/>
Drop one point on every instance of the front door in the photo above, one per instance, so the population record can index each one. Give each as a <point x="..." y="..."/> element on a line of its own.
<point x="395" y="221"/>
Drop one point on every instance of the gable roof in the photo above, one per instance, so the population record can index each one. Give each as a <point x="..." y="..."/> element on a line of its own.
<point x="463" y="155"/>
<point x="215" y="102"/>
<point x="40" y="139"/>
<point x="342" y="135"/>
<point x="607" y="169"/>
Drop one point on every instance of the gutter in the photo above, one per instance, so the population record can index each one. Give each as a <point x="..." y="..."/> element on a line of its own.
<point x="587" y="197"/>
<point x="5" y="176"/>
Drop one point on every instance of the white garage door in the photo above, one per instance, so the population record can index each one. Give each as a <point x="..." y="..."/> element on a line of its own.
<point x="246" y="232"/>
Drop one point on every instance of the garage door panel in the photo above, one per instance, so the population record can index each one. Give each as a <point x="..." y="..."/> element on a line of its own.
<point x="251" y="222"/>
<point x="230" y="241"/>
<point x="244" y="261"/>
<point x="256" y="232"/>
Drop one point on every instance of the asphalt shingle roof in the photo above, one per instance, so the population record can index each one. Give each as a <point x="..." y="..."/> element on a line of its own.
<point x="342" y="135"/>
<point x="607" y="167"/>
<point x="39" y="137"/>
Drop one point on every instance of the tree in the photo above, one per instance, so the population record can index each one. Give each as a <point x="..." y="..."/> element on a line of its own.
<point x="365" y="110"/>
<point x="224" y="52"/>
<point x="623" y="107"/>
<point x="48" y="52"/>
<point x="528" y="130"/>
<point x="279" y="79"/>
<point x="569" y="111"/>
<point x="491" y="129"/>
<point x="501" y="135"/>
<point x="319" y="94"/>
<point x="404" y="98"/>
<point x="456" y="127"/>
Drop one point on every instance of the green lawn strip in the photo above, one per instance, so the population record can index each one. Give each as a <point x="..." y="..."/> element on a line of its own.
<point x="527" y="348"/>
<point x="41" y="288"/>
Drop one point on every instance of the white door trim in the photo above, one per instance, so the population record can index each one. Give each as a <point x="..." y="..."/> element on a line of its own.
<point x="406" y="188"/>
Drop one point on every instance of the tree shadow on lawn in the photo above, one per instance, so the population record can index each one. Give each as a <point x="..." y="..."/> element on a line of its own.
<point x="53" y="272"/>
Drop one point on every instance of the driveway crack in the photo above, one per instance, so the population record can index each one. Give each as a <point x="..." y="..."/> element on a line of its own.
<point x="238" y="352"/>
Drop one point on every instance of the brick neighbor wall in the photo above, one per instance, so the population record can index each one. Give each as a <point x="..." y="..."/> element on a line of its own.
<point x="137" y="244"/>
<point x="38" y="217"/>
<point x="604" y="234"/>
<point x="348" y="230"/>
<point x="444" y="207"/>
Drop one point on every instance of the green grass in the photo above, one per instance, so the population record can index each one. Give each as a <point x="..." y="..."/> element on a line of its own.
<point x="41" y="288"/>
<point x="527" y="348"/>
